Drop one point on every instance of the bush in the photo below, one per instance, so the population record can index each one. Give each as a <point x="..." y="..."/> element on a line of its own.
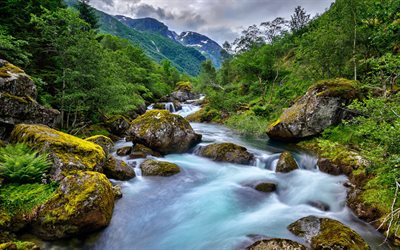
<point x="20" y="164"/>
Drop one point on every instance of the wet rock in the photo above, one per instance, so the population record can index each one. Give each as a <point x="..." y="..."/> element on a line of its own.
<point x="117" y="125"/>
<point x="137" y="155"/>
<point x="118" y="170"/>
<point x="117" y="192"/>
<point x="266" y="187"/>
<point x="286" y="163"/>
<point x="319" y="108"/>
<point x="82" y="204"/>
<point x="324" y="233"/>
<point x="124" y="151"/>
<point x="163" y="132"/>
<point x="183" y="92"/>
<point x="276" y="244"/>
<point x="158" y="168"/>
<point x="20" y="245"/>
<point x="145" y="150"/>
<point x="226" y="152"/>
<point x="66" y="151"/>
<point x="319" y="204"/>
<point x="103" y="141"/>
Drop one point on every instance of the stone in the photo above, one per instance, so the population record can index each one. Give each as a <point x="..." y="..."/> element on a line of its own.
<point x="286" y="163"/>
<point x="103" y="141"/>
<point x="276" y="244"/>
<point x="266" y="187"/>
<point x="137" y="155"/>
<point x="118" y="170"/>
<point x="158" y="168"/>
<point x="226" y="152"/>
<point x="145" y="150"/>
<point x="124" y="151"/>
<point x="163" y="132"/>
<point x="117" y="125"/>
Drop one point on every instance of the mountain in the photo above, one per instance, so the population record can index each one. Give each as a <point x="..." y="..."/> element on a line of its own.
<point x="206" y="46"/>
<point x="154" y="44"/>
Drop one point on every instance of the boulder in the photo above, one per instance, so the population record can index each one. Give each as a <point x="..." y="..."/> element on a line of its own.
<point x="276" y="244"/>
<point x="163" y="132"/>
<point x="17" y="101"/>
<point x="158" y="168"/>
<point x="66" y="151"/>
<point x="226" y="152"/>
<point x="83" y="203"/>
<point x="145" y="150"/>
<point x="266" y="187"/>
<point x="117" y="125"/>
<point x="20" y="245"/>
<point x="321" y="107"/>
<point x="183" y="92"/>
<point x="324" y="233"/>
<point x="117" y="169"/>
<point x="103" y="141"/>
<point x="286" y="163"/>
<point x="124" y="151"/>
<point x="117" y="192"/>
<point x="137" y="155"/>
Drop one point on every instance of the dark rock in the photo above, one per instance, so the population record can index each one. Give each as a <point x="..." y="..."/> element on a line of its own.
<point x="276" y="244"/>
<point x="324" y="233"/>
<point x="143" y="149"/>
<point x="226" y="152"/>
<point x="158" y="168"/>
<point x="163" y="132"/>
<point x="82" y="204"/>
<point x="117" y="125"/>
<point x="137" y="155"/>
<point x="124" y="151"/>
<point x="14" y="81"/>
<point x="319" y="108"/>
<point x="266" y="187"/>
<point x="117" y="169"/>
<point x="286" y="163"/>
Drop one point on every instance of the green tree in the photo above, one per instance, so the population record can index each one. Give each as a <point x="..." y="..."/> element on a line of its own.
<point x="87" y="13"/>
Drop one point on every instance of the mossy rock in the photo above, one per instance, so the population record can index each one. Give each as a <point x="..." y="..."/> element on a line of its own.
<point x="14" y="81"/>
<point x="83" y="203"/>
<point x="158" y="168"/>
<point x="276" y="244"/>
<point x="163" y="132"/>
<point x="265" y="187"/>
<point x="205" y="115"/>
<point x="118" y="170"/>
<point x="6" y="236"/>
<point x="143" y="149"/>
<point x="324" y="233"/>
<point x="226" y="152"/>
<point x="117" y="125"/>
<point x="103" y="141"/>
<point x="286" y="163"/>
<point x="319" y="108"/>
<point x="184" y="86"/>
<point x="67" y="152"/>
<point x="124" y="151"/>
<point x="19" y="245"/>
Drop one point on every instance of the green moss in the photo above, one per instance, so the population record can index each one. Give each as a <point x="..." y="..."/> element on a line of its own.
<point x="9" y="69"/>
<point x="159" y="168"/>
<point x="336" y="88"/>
<point x="205" y="115"/>
<point x="18" y="245"/>
<point x="68" y="148"/>
<point x="183" y="86"/>
<point x="19" y="99"/>
<point x="101" y="140"/>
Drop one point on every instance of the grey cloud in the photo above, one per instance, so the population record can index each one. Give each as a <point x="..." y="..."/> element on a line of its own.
<point x="146" y="10"/>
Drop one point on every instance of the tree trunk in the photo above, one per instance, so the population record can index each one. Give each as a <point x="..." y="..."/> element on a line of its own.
<point x="62" y="100"/>
<point x="353" y="9"/>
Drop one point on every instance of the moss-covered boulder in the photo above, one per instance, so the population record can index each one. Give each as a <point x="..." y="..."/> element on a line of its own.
<point x="145" y="150"/>
<point x="321" y="107"/>
<point x="19" y="245"/>
<point x="67" y="152"/>
<point x="206" y="114"/>
<point x="324" y="233"/>
<point x="163" y="132"/>
<point x="117" y="169"/>
<point x="117" y="125"/>
<point x="276" y="244"/>
<point x="103" y="141"/>
<point x="124" y="151"/>
<point x="83" y="203"/>
<point x="183" y="92"/>
<point x="286" y="163"/>
<point x="226" y="152"/>
<point x="265" y="187"/>
<point x="158" y="168"/>
<point x="14" y="81"/>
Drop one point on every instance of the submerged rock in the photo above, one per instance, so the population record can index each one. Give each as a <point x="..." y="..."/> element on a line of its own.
<point x="276" y="244"/>
<point x="321" y="107"/>
<point x="226" y="152"/>
<point x="66" y="151"/>
<point x="163" y="132"/>
<point x="103" y="141"/>
<point x="266" y="187"/>
<point x="158" y="168"/>
<point x="324" y="233"/>
<point x="118" y="170"/>
<point x="286" y="163"/>
<point x="83" y="203"/>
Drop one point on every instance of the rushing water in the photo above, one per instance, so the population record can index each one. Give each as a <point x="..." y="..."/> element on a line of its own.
<point x="210" y="205"/>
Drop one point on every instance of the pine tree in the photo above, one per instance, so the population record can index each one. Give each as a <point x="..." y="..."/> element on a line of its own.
<point x="87" y="13"/>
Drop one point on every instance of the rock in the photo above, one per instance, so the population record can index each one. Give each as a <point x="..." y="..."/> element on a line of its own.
<point x="206" y="114"/>
<point x="163" y="132"/>
<point x="183" y="92"/>
<point x="83" y="203"/>
<point x="143" y="149"/>
<point x="266" y="187"/>
<point x="226" y="152"/>
<point x="124" y="151"/>
<point x="118" y="170"/>
<point x="324" y="233"/>
<point x="20" y="245"/>
<point x="17" y="101"/>
<point x="117" y="125"/>
<point x="137" y="155"/>
<point x="103" y="141"/>
<point x="158" y="168"/>
<point x="319" y="204"/>
<point x="286" y="163"/>
<point x="276" y="244"/>
<point x="66" y="151"/>
<point x="319" y="108"/>
<point x="117" y="192"/>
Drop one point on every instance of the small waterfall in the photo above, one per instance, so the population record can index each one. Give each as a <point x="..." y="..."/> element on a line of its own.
<point x="170" y="107"/>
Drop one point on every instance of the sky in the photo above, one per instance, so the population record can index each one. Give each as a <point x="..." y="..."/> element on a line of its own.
<point x="221" y="20"/>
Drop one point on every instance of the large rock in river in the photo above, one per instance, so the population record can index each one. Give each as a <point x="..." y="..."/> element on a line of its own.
<point x="324" y="233"/>
<point x="67" y="152"/>
<point x="226" y="152"/>
<point x="286" y="163"/>
<point x="17" y="100"/>
<point x="163" y="132"/>
<point x="276" y="244"/>
<point x="321" y="107"/>
<point x="83" y="203"/>
<point x="158" y="168"/>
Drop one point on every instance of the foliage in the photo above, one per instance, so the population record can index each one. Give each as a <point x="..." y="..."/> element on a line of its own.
<point x="12" y="50"/>
<point x="247" y="123"/>
<point x="20" y="164"/>
<point x="87" y="13"/>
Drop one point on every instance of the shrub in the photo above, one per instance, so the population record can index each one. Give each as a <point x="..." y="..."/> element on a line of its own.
<point x="20" y="164"/>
